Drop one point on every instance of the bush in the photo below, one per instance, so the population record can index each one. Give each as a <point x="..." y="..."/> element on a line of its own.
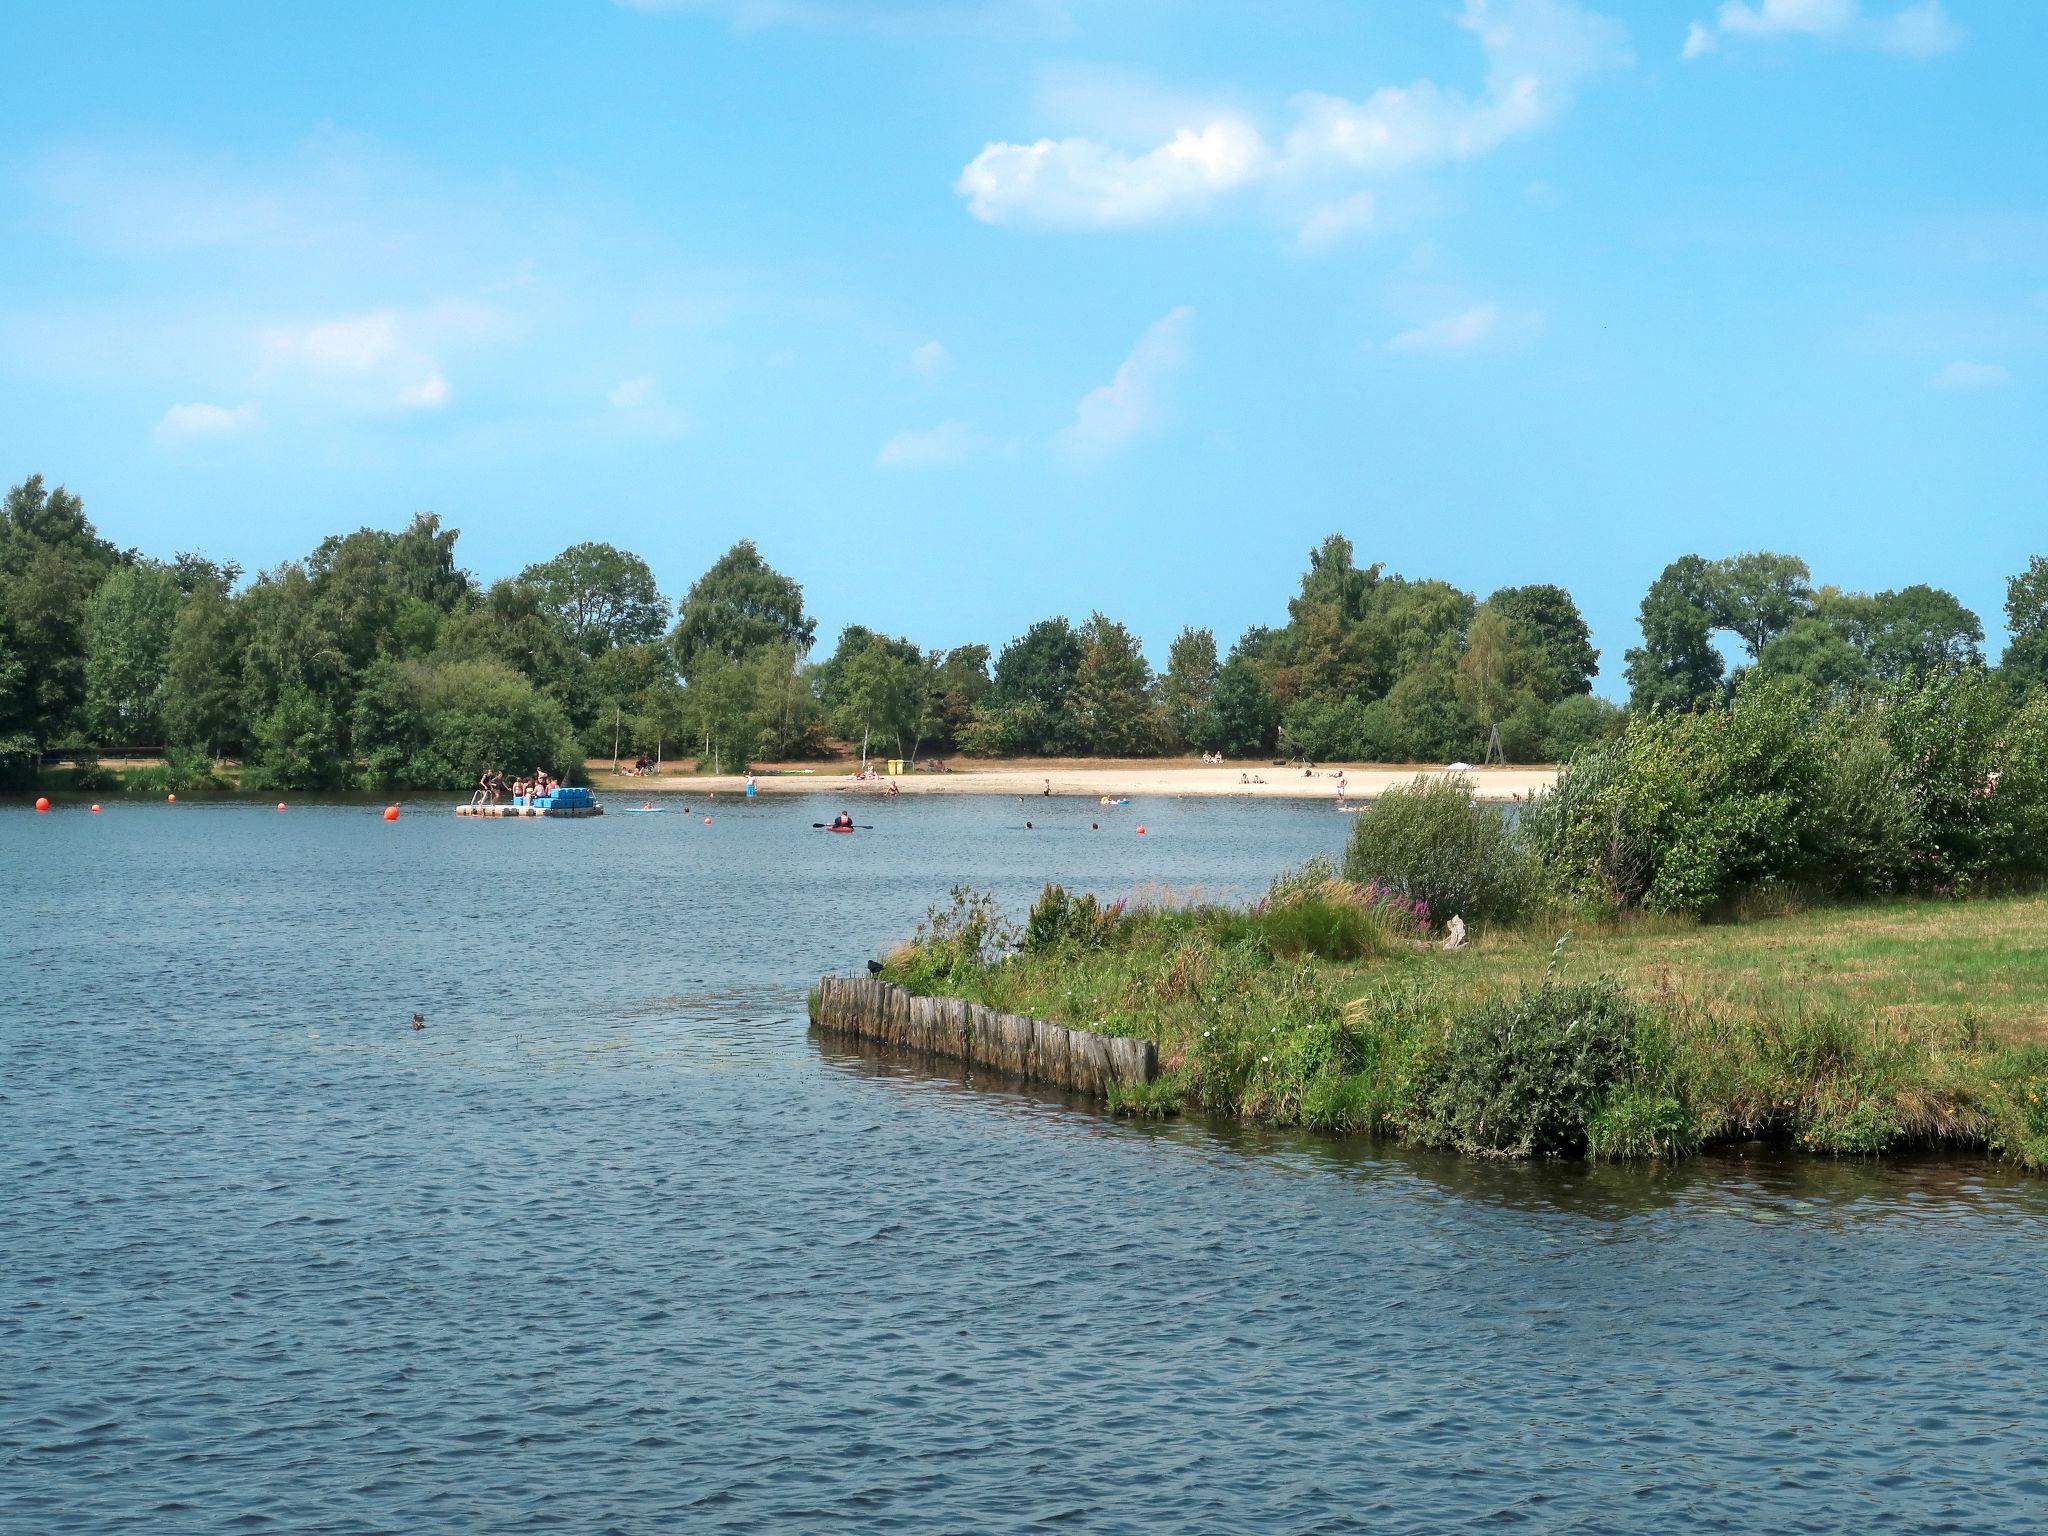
<point x="1936" y="785"/>
<point x="1432" y="843"/>
<point x="1058" y="918"/>
<point x="1531" y="1074"/>
<point x="966" y="935"/>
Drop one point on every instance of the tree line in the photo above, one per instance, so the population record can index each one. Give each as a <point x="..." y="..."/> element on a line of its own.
<point x="377" y="660"/>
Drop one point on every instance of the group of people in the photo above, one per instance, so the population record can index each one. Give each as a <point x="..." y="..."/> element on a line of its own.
<point x="642" y="766"/>
<point x="493" y="787"/>
<point x="1212" y="759"/>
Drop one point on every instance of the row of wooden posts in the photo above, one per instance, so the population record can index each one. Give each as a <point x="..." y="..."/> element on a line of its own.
<point x="1075" y="1059"/>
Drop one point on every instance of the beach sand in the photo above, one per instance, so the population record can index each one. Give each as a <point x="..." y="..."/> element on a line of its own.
<point x="1090" y="779"/>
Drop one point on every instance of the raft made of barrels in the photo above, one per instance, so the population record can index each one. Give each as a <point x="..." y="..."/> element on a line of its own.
<point x="1075" y="1059"/>
<point x="557" y="811"/>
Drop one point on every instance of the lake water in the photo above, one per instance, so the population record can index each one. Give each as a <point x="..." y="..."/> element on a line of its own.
<point x="617" y="1243"/>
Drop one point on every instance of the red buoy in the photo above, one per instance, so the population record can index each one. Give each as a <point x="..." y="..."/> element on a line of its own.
<point x="280" y="805"/>
<point x="43" y="803"/>
<point x="170" y="797"/>
<point x="1141" y="831"/>
<point x="391" y="813"/>
<point x="707" y="821"/>
<point x="95" y="810"/>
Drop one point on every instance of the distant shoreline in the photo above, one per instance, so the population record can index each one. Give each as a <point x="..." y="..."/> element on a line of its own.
<point x="1091" y="780"/>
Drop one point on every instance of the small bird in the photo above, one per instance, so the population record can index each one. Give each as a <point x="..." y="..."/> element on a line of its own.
<point x="419" y="1021"/>
<point x="874" y="967"/>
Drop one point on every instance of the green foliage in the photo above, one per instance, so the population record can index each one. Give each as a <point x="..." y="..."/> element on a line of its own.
<point x="737" y="607"/>
<point x="1933" y="785"/>
<point x="1187" y="694"/>
<point x="1057" y="918"/>
<point x="955" y="941"/>
<point x="1676" y="667"/>
<point x="1529" y="1074"/>
<point x="128" y="639"/>
<point x="1434" y="844"/>
<point x="295" y="744"/>
<point x="439" y="725"/>
<point x="602" y="596"/>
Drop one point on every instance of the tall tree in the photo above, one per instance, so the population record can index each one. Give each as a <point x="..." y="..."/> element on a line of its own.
<point x="2026" y="618"/>
<point x="1545" y="617"/>
<point x="1758" y="595"/>
<point x="1187" y="693"/>
<point x="739" y="605"/>
<point x="128" y="642"/>
<point x="1676" y="666"/>
<point x="1113" y="706"/>
<point x="51" y="563"/>
<point x="203" y="673"/>
<point x="1033" y="689"/>
<point x="604" y="596"/>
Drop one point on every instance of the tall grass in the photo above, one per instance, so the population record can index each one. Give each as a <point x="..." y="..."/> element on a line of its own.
<point x="1322" y="1006"/>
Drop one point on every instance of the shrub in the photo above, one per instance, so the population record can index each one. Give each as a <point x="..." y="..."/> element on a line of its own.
<point x="1531" y="1074"/>
<point x="966" y="935"/>
<point x="1432" y="843"/>
<point x="1059" y="918"/>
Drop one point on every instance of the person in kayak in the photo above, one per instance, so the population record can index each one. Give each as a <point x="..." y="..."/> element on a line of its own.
<point x="842" y="822"/>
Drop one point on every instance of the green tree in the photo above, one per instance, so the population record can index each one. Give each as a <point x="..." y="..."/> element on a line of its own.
<point x="203" y="674"/>
<point x="2026" y="618"/>
<point x="1676" y="667"/>
<point x="1545" y="619"/>
<point x="296" y="743"/>
<point x="1113" y="708"/>
<point x="1247" y="713"/>
<point x="1758" y="596"/>
<point x="721" y="707"/>
<point x="1032" y="692"/>
<point x="1815" y="651"/>
<point x="739" y="605"/>
<point x="128" y="642"/>
<point x="885" y="691"/>
<point x="51" y="563"/>
<point x="1187" y="693"/>
<point x="603" y="595"/>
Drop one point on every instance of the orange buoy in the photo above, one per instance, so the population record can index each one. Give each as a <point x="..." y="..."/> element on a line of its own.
<point x="170" y="797"/>
<point x="95" y="810"/>
<point x="707" y="821"/>
<point x="280" y="805"/>
<point x="391" y="813"/>
<point x="43" y="803"/>
<point x="1141" y="831"/>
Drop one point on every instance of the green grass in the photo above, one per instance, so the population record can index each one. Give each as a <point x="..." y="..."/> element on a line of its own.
<point x="1850" y="1031"/>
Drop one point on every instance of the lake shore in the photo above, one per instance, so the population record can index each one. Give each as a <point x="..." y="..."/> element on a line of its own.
<point x="1089" y="779"/>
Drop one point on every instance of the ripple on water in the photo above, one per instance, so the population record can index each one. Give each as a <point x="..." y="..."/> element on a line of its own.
<point x="617" y="1243"/>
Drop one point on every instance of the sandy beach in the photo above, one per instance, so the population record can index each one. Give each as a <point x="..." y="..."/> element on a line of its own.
<point x="1092" y="780"/>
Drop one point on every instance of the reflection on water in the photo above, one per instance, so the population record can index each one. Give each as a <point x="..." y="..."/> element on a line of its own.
<point x="617" y="1242"/>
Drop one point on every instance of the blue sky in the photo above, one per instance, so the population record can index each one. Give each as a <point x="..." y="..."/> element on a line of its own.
<point x="968" y="313"/>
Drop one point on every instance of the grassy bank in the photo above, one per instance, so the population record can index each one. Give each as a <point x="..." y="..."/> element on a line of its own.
<point x="1851" y="1030"/>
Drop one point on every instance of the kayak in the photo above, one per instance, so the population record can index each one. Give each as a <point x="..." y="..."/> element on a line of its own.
<point x="839" y="829"/>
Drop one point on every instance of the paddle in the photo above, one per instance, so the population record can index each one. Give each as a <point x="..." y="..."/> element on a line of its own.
<point x="856" y="825"/>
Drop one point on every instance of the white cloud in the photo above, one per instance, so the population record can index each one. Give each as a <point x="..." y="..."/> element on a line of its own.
<point x="1967" y="375"/>
<point x="931" y="359"/>
<point x="380" y="358"/>
<point x="1918" y="30"/>
<point x="1451" y="333"/>
<point x="1130" y="403"/>
<point x="1537" y="52"/>
<point x="1081" y="182"/>
<point x="184" y="423"/>
<point x="947" y="443"/>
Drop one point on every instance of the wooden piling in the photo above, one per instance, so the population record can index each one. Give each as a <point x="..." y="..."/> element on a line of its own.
<point x="1034" y="1049"/>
